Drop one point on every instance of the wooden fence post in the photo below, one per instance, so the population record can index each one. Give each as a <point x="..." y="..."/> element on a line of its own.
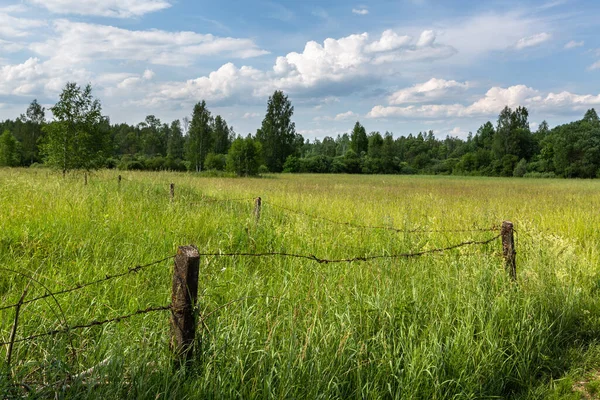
<point x="172" y="192"/>
<point x="508" y="249"/>
<point x="257" y="206"/>
<point x="85" y="177"/>
<point x="119" y="180"/>
<point x="183" y="300"/>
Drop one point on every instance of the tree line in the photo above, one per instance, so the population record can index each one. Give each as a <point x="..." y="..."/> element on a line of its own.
<point x="80" y="137"/>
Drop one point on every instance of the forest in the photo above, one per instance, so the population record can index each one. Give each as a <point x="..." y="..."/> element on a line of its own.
<point x="79" y="137"/>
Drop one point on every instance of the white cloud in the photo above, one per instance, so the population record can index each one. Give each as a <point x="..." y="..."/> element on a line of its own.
<point x="226" y="82"/>
<point x="104" y="8"/>
<point x="492" y="103"/>
<point x="476" y="36"/>
<point x="78" y="42"/>
<point x="531" y="41"/>
<point x="389" y="41"/>
<point x="14" y="27"/>
<point x="572" y="44"/>
<point x="348" y="115"/>
<point x="594" y="66"/>
<point x="251" y="115"/>
<point x="457" y="131"/>
<point x="34" y="77"/>
<point x="360" y="11"/>
<point x="426" y="39"/>
<point x="345" y="116"/>
<point x="433" y="89"/>
<point x="347" y="63"/>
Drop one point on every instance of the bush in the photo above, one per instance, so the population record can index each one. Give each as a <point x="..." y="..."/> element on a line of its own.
<point x="215" y="161"/>
<point x="520" y="169"/>
<point x="244" y="156"/>
<point x="536" y="174"/>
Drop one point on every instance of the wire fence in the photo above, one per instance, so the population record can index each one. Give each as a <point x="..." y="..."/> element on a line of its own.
<point x="66" y="329"/>
<point x="79" y="286"/>
<point x="210" y="199"/>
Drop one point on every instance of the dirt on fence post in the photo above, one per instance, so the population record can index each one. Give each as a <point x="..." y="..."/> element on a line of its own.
<point x="508" y="249"/>
<point x="257" y="207"/>
<point x="172" y="190"/>
<point x="183" y="299"/>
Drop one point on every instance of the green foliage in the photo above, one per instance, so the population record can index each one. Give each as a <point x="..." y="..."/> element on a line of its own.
<point x="244" y="157"/>
<point x="574" y="149"/>
<point x="200" y="141"/>
<point x="359" y="142"/>
<point x="34" y="119"/>
<point x="10" y="153"/>
<point x="277" y="134"/>
<point x="76" y="139"/>
<point x="520" y="169"/>
<point x="176" y="142"/>
<point x="222" y="136"/>
<point x="215" y="161"/>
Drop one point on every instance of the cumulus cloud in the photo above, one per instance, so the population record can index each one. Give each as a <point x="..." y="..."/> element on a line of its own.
<point x="433" y="89"/>
<point x="492" y="103"/>
<point x="573" y="44"/>
<point x="426" y="39"/>
<point x="35" y="77"/>
<point x="104" y="8"/>
<point x="360" y="11"/>
<point x="347" y="63"/>
<point x="14" y="27"/>
<point x="532" y="41"/>
<point x="250" y="115"/>
<point x="389" y="41"/>
<point x="78" y="42"/>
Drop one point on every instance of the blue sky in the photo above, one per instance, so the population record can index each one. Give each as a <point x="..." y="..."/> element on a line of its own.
<point x="402" y="66"/>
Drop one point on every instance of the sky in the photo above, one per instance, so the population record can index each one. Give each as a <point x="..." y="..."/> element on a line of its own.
<point x="402" y="66"/>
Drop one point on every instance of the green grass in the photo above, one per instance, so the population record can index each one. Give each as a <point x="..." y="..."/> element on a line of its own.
<point x="441" y="326"/>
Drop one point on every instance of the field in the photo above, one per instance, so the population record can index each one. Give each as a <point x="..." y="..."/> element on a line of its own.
<point x="443" y="325"/>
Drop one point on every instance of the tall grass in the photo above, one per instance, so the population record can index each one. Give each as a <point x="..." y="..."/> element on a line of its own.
<point x="440" y="326"/>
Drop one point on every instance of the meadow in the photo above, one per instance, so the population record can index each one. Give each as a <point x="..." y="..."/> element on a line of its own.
<point x="439" y="326"/>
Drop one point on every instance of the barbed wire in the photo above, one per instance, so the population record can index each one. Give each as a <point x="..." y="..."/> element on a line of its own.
<point x="208" y="199"/>
<point x="389" y="228"/>
<point x="354" y="259"/>
<point x="91" y="324"/>
<point x="80" y="286"/>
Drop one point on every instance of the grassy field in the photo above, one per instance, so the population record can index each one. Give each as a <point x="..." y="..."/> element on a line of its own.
<point x="441" y="326"/>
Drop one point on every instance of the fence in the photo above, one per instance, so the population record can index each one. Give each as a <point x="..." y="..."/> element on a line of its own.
<point x="184" y="289"/>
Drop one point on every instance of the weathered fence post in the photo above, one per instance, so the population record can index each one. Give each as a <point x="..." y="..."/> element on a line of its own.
<point x="85" y="177"/>
<point x="172" y="192"/>
<point x="257" y="206"/>
<point x="183" y="299"/>
<point x="119" y="180"/>
<point x="508" y="249"/>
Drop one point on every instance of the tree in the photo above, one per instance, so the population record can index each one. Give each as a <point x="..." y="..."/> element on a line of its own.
<point x="277" y="134"/>
<point x="34" y="118"/>
<point x="200" y="136"/>
<point x="175" y="142"/>
<point x="359" y="142"/>
<point x="244" y="156"/>
<point x="74" y="139"/>
<point x="513" y="140"/>
<point x="221" y="136"/>
<point x="153" y="136"/>
<point x="9" y="150"/>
